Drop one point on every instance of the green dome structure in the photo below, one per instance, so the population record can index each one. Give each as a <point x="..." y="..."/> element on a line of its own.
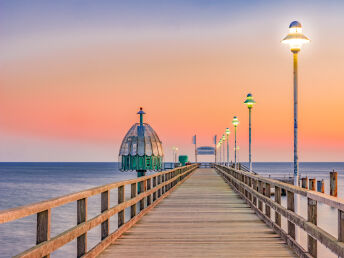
<point x="141" y="149"/>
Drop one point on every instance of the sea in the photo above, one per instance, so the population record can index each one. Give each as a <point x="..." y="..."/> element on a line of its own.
<point x="25" y="183"/>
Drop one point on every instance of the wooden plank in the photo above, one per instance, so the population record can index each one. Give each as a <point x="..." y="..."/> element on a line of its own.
<point x="81" y="218"/>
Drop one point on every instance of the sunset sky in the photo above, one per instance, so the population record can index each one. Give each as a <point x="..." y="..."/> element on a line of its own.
<point x="73" y="75"/>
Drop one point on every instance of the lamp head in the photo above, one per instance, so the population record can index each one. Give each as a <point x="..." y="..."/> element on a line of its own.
<point x="223" y="137"/>
<point x="235" y="121"/>
<point x="227" y="131"/>
<point x="295" y="38"/>
<point x="249" y="101"/>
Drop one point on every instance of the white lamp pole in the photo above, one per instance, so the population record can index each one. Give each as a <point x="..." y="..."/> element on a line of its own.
<point x="235" y="122"/>
<point x="227" y="134"/>
<point x="249" y="102"/>
<point x="295" y="39"/>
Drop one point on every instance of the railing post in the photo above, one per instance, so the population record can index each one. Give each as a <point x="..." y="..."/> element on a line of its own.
<point x="255" y="188"/>
<point x="133" y="194"/>
<point x="154" y="185"/>
<point x="149" y="197"/>
<point x="340" y="226"/>
<point x="43" y="227"/>
<point x="267" y="194"/>
<point x="250" y="186"/>
<point x="291" y="207"/>
<point x="260" y="190"/>
<point x="312" y="217"/>
<point x="159" y="182"/>
<point x="81" y="217"/>
<point x="142" y="190"/>
<point x="104" y="206"/>
<point x="120" y="200"/>
<point x="333" y="183"/>
<point x="278" y="194"/>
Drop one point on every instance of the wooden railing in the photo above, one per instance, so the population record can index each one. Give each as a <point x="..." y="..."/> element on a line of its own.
<point x="256" y="191"/>
<point x="153" y="189"/>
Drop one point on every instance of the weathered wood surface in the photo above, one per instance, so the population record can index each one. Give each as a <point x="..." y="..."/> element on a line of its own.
<point x="203" y="217"/>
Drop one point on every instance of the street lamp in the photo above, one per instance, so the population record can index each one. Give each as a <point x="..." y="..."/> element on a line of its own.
<point x="227" y="133"/>
<point x="249" y="102"/>
<point x="177" y="155"/>
<point x="220" y="143"/>
<point x="224" y="151"/>
<point x="295" y="39"/>
<point x="235" y="122"/>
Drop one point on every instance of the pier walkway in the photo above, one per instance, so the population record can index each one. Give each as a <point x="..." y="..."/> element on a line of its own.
<point x="203" y="217"/>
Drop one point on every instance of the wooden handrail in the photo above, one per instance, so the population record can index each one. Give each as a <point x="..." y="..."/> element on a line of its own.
<point x="246" y="185"/>
<point x="163" y="183"/>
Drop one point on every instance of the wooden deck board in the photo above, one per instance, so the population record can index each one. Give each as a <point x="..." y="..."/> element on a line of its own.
<point x="202" y="218"/>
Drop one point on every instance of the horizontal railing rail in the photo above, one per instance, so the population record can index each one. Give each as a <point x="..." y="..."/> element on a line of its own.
<point x="256" y="191"/>
<point x="152" y="189"/>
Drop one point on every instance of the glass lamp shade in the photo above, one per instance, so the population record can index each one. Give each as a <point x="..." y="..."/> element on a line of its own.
<point x="295" y="38"/>
<point x="235" y="121"/>
<point x="249" y="101"/>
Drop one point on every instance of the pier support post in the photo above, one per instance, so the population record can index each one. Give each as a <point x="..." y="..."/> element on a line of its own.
<point x="312" y="217"/>
<point x="43" y="227"/>
<point x="81" y="217"/>
<point x="105" y="200"/>
<point x="278" y="194"/>
<point x="333" y="183"/>
<point x="133" y="207"/>
<point x="291" y="207"/>
<point x="312" y="182"/>
<point x="320" y="186"/>
<point x="120" y="200"/>
<point x="304" y="182"/>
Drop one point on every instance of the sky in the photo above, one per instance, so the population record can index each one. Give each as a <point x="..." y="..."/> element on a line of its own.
<point x="73" y="75"/>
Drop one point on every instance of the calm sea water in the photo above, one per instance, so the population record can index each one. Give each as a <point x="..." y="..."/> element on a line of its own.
<point x="24" y="183"/>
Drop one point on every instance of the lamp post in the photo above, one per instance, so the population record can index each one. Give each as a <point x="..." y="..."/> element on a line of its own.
<point x="249" y="102"/>
<point x="235" y="122"/>
<point x="224" y="151"/>
<point x="227" y="134"/>
<point x="220" y="156"/>
<point x="295" y="39"/>
<point x="174" y="155"/>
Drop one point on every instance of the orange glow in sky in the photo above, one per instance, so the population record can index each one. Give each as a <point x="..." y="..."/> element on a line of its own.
<point x="70" y="93"/>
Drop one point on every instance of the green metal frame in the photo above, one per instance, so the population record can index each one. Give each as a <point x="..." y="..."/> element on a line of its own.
<point x="141" y="162"/>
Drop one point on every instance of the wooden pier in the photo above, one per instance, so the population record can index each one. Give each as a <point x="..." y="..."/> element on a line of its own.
<point x="202" y="218"/>
<point x="189" y="211"/>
